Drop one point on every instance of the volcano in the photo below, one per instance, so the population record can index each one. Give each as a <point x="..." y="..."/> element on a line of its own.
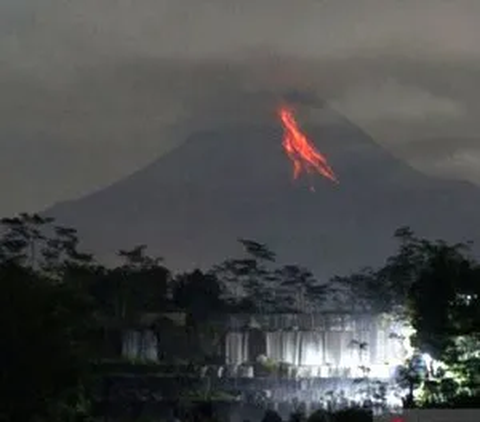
<point x="191" y="204"/>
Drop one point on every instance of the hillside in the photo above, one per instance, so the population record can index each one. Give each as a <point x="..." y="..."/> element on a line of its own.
<point x="192" y="204"/>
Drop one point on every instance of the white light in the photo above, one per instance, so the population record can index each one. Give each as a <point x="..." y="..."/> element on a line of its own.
<point x="380" y="371"/>
<point x="313" y="357"/>
<point x="406" y="332"/>
<point x="393" y="400"/>
<point x="427" y="359"/>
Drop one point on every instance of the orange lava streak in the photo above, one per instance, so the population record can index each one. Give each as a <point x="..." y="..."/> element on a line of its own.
<point x="300" y="150"/>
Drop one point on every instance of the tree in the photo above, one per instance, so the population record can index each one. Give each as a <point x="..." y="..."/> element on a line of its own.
<point x="46" y="319"/>
<point x="257" y="284"/>
<point x="137" y="258"/>
<point x="410" y="376"/>
<point x="137" y="286"/>
<point x="199" y="293"/>
<point x="250" y="277"/>
<point x="298" y="289"/>
<point x="61" y="252"/>
<point x="363" y="291"/>
<point x="434" y="299"/>
<point x="146" y="280"/>
<point x="257" y="250"/>
<point x="44" y="327"/>
<point x="435" y="287"/>
<point x="388" y="288"/>
<point x="443" y="309"/>
<point x="21" y="237"/>
<point x="271" y="416"/>
<point x="33" y="241"/>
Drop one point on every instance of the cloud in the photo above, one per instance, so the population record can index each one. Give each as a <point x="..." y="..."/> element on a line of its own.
<point x="110" y="85"/>
<point x="114" y="118"/>
<point x="393" y="101"/>
<point x="60" y="36"/>
<point x="439" y="148"/>
<point x="452" y="166"/>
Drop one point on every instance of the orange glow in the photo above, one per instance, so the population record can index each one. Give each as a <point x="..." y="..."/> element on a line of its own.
<point x="300" y="150"/>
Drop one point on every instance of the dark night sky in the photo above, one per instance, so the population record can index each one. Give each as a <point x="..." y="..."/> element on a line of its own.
<point x="92" y="90"/>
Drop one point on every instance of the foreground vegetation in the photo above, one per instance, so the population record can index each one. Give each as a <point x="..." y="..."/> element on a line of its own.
<point x="54" y="298"/>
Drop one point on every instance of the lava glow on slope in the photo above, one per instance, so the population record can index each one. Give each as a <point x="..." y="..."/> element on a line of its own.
<point x="300" y="150"/>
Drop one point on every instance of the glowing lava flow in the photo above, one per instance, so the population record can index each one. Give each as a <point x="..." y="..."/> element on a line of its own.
<point x="300" y="150"/>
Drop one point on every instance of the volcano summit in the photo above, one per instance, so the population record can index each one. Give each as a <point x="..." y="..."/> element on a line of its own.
<point x="191" y="204"/>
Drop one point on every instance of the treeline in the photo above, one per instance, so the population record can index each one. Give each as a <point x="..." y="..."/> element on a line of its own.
<point x="433" y="286"/>
<point x="54" y="294"/>
<point x="142" y="283"/>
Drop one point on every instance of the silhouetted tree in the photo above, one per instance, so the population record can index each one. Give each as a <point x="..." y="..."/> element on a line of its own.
<point x="410" y="376"/>
<point x="298" y="290"/>
<point x="297" y="417"/>
<point x="257" y="250"/>
<point x="34" y="241"/>
<point x="137" y="286"/>
<point x="435" y="287"/>
<point x="443" y="299"/>
<point x="271" y="416"/>
<point x="388" y="288"/>
<point x="250" y="277"/>
<point x="259" y="285"/>
<point x="199" y="293"/>
<point x="352" y="415"/>
<point x="320" y="415"/>
<point x="137" y="258"/>
<point x="21" y="238"/>
<point x="44" y="327"/>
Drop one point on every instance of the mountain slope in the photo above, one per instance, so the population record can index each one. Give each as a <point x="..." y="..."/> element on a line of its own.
<point x="192" y="204"/>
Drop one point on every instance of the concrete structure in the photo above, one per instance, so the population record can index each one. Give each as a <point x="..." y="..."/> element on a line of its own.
<point x="322" y="359"/>
<point x="320" y="345"/>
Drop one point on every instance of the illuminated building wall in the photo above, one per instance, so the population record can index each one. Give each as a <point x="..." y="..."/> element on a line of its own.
<point x="318" y="345"/>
